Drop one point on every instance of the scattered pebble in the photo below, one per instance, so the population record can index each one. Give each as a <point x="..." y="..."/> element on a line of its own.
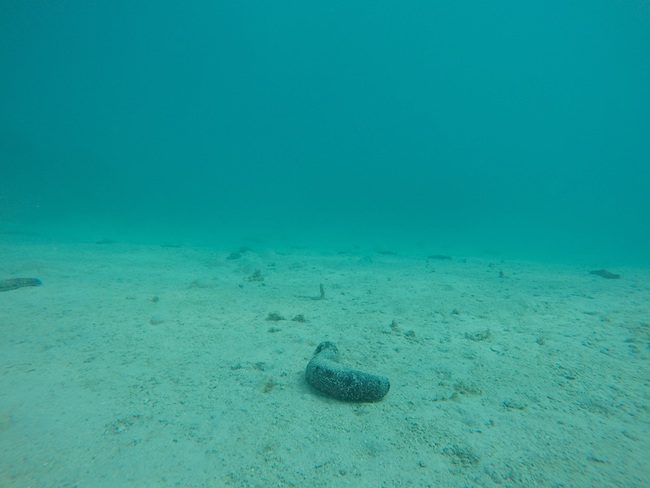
<point x="156" y="320"/>
<point x="269" y="385"/>
<point x="512" y="404"/>
<point x="274" y="317"/>
<point x="256" y="276"/>
<point x="478" y="336"/>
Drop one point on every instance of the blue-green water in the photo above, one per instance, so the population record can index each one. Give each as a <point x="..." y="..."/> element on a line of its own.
<point x="513" y="126"/>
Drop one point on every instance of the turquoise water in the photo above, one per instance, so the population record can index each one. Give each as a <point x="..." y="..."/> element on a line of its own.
<point x="519" y="126"/>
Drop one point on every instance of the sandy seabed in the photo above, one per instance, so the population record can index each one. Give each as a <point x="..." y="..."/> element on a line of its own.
<point x="143" y="366"/>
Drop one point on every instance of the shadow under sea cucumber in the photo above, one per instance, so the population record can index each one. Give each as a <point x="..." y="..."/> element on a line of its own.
<point x="15" y="283"/>
<point x="326" y="375"/>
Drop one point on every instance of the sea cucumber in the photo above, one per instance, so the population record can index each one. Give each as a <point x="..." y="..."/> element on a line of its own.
<point x="326" y="375"/>
<point x="440" y="257"/>
<point x="605" y="274"/>
<point x="15" y="283"/>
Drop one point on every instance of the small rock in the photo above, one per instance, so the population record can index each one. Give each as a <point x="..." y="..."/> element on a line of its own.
<point x="478" y="336"/>
<point x="156" y="320"/>
<point x="512" y="404"/>
<point x="269" y="385"/>
<point x="394" y="326"/>
<point x="256" y="276"/>
<point x="274" y="317"/>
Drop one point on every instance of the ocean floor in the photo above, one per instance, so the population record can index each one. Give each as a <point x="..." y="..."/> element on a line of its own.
<point x="143" y="366"/>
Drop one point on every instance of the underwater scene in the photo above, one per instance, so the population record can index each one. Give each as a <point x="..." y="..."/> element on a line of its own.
<point x="324" y="244"/>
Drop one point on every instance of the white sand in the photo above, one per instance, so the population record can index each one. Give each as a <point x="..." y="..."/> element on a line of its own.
<point x="539" y="378"/>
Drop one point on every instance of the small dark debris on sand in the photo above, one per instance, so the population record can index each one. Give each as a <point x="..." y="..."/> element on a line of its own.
<point x="387" y="253"/>
<point x="269" y="385"/>
<point x="256" y="276"/>
<point x="156" y="320"/>
<point x="299" y="318"/>
<point x="394" y="327"/>
<point x="274" y="317"/>
<point x="440" y="257"/>
<point x="321" y="294"/>
<point x="605" y="274"/>
<point x="239" y="253"/>
<point x="478" y="336"/>
<point x="15" y="283"/>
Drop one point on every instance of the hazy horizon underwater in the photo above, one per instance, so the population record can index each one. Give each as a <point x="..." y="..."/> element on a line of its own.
<point x="318" y="244"/>
<point x="521" y="127"/>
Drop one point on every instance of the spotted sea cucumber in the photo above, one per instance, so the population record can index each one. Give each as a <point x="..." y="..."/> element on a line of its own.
<point x="326" y="375"/>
